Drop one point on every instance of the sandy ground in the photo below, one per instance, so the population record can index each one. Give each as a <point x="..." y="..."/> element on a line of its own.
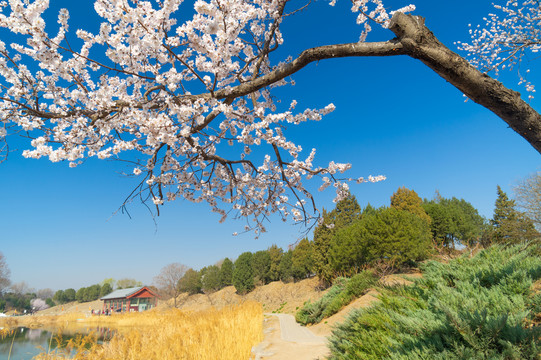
<point x="275" y="347"/>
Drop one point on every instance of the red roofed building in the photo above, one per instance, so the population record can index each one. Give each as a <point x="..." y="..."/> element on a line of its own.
<point x="133" y="299"/>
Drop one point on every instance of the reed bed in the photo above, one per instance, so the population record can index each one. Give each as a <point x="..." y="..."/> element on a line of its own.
<point x="226" y="333"/>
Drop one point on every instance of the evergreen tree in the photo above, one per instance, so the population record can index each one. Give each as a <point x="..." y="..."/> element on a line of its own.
<point x="261" y="263"/>
<point x="226" y="272"/>
<point x="69" y="295"/>
<point x="408" y="200"/>
<point x="105" y="289"/>
<point x="454" y="221"/>
<point x="59" y="297"/>
<point x="211" y="281"/>
<point x="285" y="266"/>
<point x="302" y="262"/>
<point x="509" y="225"/>
<point x="346" y="212"/>
<point x="390" y="235"/>
<point x="80" y="294"/>
<point x="243" y="273"/>
<point x="190" y="282"/>
<point x="275" y="253"/>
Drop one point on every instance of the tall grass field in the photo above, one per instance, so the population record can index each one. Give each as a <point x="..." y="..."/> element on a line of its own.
<point x="226" y="333"/>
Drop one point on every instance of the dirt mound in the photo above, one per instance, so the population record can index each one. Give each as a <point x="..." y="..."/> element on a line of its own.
<point x="275" y="297"/>
<point x="73" y="307"/>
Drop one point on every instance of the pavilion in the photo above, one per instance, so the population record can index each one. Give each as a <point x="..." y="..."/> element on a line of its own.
<point x="132" y="299"/>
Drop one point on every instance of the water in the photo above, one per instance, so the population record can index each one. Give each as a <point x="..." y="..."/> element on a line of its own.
<point x="28" y="343"/>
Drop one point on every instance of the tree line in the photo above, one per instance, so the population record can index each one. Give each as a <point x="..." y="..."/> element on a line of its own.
<point x="349" y="239"/>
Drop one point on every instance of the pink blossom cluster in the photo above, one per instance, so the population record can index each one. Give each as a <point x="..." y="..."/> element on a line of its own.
<point x="506" y="38"/>
<point x="157" y="92"/>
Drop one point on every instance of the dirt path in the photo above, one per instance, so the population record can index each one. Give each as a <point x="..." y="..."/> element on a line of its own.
<point x="286" y="340"/>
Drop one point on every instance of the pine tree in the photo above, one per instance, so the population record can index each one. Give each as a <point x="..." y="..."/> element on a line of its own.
<point x="243" y="273"/>
<point x="226" y="272"/>
<point x="275" y="253"/>
<point x="261" y="262"/>
<point x="285" y="266"/>
<point x="408" y="200"/>
<point x="190" y="282"/>
<point x="211" y="281"/>
<point x="347" y="211"/>
<point x="302" y="261"/>
<point x="509" y="225"/>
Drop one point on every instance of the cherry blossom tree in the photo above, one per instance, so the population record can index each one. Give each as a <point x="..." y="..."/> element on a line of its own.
<point x="188" y="102"/>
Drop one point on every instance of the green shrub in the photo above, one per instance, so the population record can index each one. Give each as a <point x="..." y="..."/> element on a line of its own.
<point x="470" y="308"/>
<point x="342" y="292"/>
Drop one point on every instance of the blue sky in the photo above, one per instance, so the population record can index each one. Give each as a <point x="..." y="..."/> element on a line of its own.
<point x="394" y="117"/>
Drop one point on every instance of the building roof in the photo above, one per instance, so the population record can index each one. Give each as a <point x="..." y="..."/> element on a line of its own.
<point x="122" y="293"/>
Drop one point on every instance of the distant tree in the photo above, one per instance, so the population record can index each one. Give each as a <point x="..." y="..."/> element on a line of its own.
<point x="454" y="221"/>
<point x="59" y="297"/>
<point x="110" y="281"/>
<point x="261" y="263"/>
<point x="243" y="273"/>
<point x="528" y="196"/>
<point x="509" y="225"/>
<point x="49" y="301"/>
<point x="69" y="295"/>
<point x="167" y="281"/>
<point x="302" y="260"/>
<point x="45" y="293"/>
<point x="286" y="264"/>
<point x="80" y="294"/>
<point x="4" y="274"/>
<point x="191" y="282"/>
<point x="38" y="304"/>
<point x="92" y="293"/>
<point x="226" y="272"/>
<point x="275" y="254"/>
<point x="21" y="288"/>
<point x="128" y="283"/>
<point x="408" y="200"/>
<point x="346" y="212"/>
<point x="211" y="281"/>
<point x="106" y="289"/>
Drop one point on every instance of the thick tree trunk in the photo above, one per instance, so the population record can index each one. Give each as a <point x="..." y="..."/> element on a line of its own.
<point x="420" y="43"/>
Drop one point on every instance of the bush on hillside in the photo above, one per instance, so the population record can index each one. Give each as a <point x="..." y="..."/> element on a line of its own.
<point x="470" y="308"/>
<point x="342" y="292"/>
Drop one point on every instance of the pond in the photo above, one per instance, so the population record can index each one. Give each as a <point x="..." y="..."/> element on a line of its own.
<point x="26" y="343"/>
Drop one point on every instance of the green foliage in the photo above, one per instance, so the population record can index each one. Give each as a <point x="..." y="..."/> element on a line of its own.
<point x="454" y="221"/>
<point x="407" y="200"/>
<point x="347" y="211"/>
<point x="190" y="282"/>
<point x="470" y="308"/>
<point x="286" y="263"/>
<point x="261" y="263"/>
<point x="211" y="280"/>
<point x="275" y="253"/>
<point x="302" y="260"/>
<point x="393" y="236"/>
<point x="127" y="283"/>
<point x="243" y="273"/>
<point x="509" y="225"/>
<point x="226" y="272"/>
<point x="106" y="289"/>
<point x="69" y="295"/>
<point x="59" y="297"/>
<point x="92" y="293"/>
<point x="342" y="292"/>
<point x="48" y="301"/>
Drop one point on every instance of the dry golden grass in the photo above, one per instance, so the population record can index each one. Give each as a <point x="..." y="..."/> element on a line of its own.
<point x="227" y="333"/>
